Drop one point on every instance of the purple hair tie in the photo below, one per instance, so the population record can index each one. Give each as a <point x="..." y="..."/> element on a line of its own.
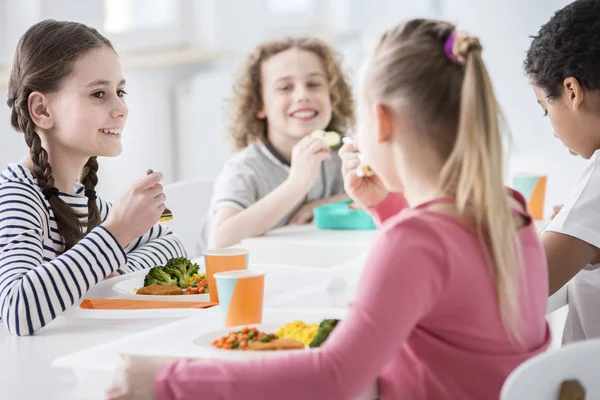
<point x="448" y="46"/>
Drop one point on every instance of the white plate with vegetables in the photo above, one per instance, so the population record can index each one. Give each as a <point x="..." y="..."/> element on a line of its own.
<point x="178" y="280"/>
<point x="235" y="337"/>
<point x="265" y="340"/>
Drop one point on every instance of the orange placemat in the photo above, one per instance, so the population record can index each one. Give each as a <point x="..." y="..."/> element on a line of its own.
<point x="121" y="304"/>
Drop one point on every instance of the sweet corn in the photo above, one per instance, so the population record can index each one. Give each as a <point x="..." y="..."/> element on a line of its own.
<point x="299" y="331"/>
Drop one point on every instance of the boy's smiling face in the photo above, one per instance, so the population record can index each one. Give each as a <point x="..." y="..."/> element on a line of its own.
<point x="295" y="93"/>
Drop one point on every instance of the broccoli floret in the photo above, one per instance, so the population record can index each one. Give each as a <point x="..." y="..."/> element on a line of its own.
<point x="182" y="269"/>
<point x="325" y="328"/>
<point x="157" y="275"/>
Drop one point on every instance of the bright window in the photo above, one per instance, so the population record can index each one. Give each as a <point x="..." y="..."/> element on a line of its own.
<point x="288" y="6"/>
<point x="291" y="14"/>
<point x="144" y="24"/>
<point x="130" y="15"/>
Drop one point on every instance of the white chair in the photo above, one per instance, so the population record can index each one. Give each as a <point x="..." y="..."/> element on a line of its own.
<point x="558" y="300"/>
<point x="556" y="315"/>
<point x="540" y="378"/>
<point x="189" y="201"/>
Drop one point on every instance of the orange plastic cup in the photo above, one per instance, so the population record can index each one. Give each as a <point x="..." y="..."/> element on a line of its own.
<point x="221" y="260"/>
<point x="242" y="295"/>
<point x="533" y="188"/>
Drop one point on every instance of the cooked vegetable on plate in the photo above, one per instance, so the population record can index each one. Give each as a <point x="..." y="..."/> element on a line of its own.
<point x="291" y="336"/>
<point x="325" y="328"/>
<point x="244" y="339"/>
<point x="299" y="331"/>
<point x="178" y="276"/>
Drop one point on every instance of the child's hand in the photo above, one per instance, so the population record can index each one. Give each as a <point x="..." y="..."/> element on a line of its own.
<point x="367" y="191"/>
<point x="134" y="380"/>
<point x="556" y="210"/>
<point x="137" y="209"/>
<point x="113" y="275"/>
<point x="307" y="156"/>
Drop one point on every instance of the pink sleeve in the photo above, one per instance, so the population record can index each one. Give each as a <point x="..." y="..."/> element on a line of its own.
<point x="390" y="206"/>
<point x="404" y="277"/>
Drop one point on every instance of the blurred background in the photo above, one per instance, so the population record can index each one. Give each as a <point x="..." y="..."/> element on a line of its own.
<point x="179" y="57"/>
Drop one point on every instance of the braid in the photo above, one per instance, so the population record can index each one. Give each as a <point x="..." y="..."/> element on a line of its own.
<point x="39" y="156"/>
<point x="67" y="220"/>
<point x="89" y="179"/>
<point x="21" y="121"/>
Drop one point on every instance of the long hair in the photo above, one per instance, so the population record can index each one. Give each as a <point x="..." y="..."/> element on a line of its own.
<point x="44" y="58"/>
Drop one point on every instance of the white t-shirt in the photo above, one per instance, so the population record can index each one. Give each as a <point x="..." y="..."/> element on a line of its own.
<point x="580" y="218"/>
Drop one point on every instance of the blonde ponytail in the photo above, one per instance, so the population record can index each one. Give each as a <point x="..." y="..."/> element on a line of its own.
<point x="474" y="172"/>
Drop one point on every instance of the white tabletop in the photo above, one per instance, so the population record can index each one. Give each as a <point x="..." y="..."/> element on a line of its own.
<point x="25" y="369"/>
<point x="28" y="359"/>
<point x="311" y="233"/>
<point x="306" y="245"/>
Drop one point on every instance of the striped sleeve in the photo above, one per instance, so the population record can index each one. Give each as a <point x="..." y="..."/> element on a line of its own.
<point x="34" y="292"/>
<point x="154" y="248"/>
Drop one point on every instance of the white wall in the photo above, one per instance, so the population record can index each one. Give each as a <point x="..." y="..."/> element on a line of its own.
<point x="147" y="137"/>
<point x="177" y="122"/>
<point x="201" y="143"/>
<point x="12" y="144"/>
<point x="504" y="29"/>
<point x="22" y="15"/>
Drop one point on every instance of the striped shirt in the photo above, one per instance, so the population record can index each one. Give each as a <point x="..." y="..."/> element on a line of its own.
<point x="256" y="171"/>
<point x="37" y="280"/>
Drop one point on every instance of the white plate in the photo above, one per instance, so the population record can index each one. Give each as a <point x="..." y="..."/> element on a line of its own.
<point x="205" y="342"/>
<point x="128" y="287"/>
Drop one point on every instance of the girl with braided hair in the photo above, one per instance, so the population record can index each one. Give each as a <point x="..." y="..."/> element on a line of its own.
<point x="57" y="238"/>
<point x="453" y="296"/>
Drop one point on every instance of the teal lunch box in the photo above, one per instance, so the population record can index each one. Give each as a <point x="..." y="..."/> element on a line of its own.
<point x="339" y="216"/>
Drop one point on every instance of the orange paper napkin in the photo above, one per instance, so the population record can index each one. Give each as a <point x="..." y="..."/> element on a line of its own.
<point x="121" y="304"/>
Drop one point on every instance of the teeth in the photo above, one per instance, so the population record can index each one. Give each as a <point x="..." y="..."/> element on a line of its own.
<point x="304" y="114"/>
<point x="113" y="131"/>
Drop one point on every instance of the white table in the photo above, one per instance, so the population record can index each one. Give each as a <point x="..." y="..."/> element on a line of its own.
<point x="307" y="245"/>
<point x="310" y="233"/>
<point x="25" y="362"/>
<point x="25" y="370"/>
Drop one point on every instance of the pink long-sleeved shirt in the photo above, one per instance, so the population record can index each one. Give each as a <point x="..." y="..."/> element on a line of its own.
<point x="425" y="322"/>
